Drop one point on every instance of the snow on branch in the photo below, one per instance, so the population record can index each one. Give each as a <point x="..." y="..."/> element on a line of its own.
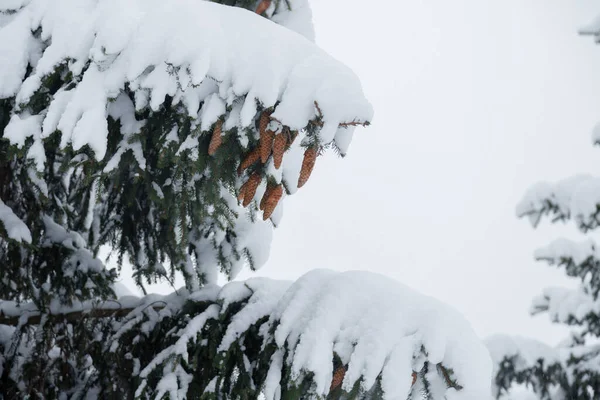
<point x="592" y="29"/>
<point x="14" y="227"/>
<point x="569" y="306"/>
<point x="352" y="332"/>
<point x="529" y="351"/>
<point x="580" y="260"/>
<point x="525" y="361"/>
<point x="185" y="49"/>
<point x="567" y="251"/>
<point x="576" y="198"/>
<point x="237" y="106"/>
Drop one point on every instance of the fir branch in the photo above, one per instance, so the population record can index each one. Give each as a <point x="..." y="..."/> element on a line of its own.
<point x="36" y="317"/>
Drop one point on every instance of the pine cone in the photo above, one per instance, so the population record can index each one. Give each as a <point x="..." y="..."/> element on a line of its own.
<point x="250" y="159"/>
<point x="216" y="139"/>
<point x="252" y="183"/>
<point x="414" y="377"/>
<point x="308" y="163"/>
<point x="338" y="378"/>
<point x="266" y="144"/>
<point x="263" y="122"/>
<point x="266" y="195"/>
<point x="271" y="201"/>
<point x="266" y="136"/>
<point x="278" y="149"/>
<point x="263" y="6"/>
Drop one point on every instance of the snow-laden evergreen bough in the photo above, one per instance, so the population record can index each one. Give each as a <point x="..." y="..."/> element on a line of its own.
<point x="163" y="104"/>
<point x="327" y="335"/>
<point x="572" y="369"/>
<point x="171" y="131"/>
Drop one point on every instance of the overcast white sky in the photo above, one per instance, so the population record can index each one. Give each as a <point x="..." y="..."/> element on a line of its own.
<point x="474" y="101"/>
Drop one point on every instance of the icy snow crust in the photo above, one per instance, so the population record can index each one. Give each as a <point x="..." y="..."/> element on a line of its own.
<point x="377" y="327"/>
<point x="188" y="49"/>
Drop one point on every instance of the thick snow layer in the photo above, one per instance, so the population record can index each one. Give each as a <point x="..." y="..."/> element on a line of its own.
<point x="297" y="16"/>
<point x="14" y="227"/>
<point x="377" y="327"/>
<point x="375" y="324"/>
<point x="147" y="45"/>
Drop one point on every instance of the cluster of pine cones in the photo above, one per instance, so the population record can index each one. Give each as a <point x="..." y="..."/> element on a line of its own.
<point x="270" y="143"/>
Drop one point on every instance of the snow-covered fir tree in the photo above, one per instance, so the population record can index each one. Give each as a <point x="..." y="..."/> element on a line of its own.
<point x="571" y="370"/>
<point x="171" y="131"/>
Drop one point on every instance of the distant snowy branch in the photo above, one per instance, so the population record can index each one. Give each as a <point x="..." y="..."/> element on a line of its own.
<point x="576" y="198"/>
<point x="580" y="260"/>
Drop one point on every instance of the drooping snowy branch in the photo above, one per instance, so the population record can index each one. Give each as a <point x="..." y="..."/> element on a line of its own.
<point x="188" y="50"/>
<point x="211" y="108"/>
<point x="580" y="260"/>
<point x="525" y="362"/>
<point x="281" y="336"/>
<point x="575" y="198"/>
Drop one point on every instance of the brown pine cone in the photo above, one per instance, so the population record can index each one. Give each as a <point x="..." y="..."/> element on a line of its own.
<point x="250" y="159"/>
<point x="262" y="7"/>
<point x="266" y="195"/>
<point x="266" y="136"/>
<point x="263" y="122"/>
<point x="253" y="183"/>
<point x="414" y="377"/>
<point x="216" y="139"/>
<point x="308" y="163"/>
<point x="266" y="144"/>
<point x="278" y="149"/>
<point x="271" y="201"/>
<point x="338" y="378"/>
